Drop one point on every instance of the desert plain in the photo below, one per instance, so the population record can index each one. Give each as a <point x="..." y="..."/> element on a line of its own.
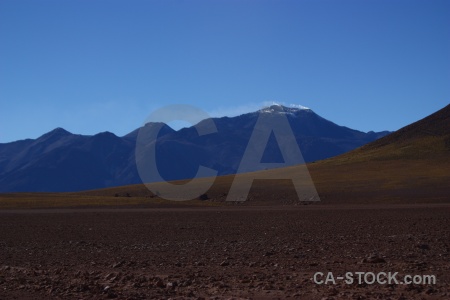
<point x="254" y="252"/>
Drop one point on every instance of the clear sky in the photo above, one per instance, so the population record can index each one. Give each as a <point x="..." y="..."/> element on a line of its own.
<point x="92" y="66"/>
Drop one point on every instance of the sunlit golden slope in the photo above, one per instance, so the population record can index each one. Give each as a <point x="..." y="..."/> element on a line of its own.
<point x="409" y="165"/>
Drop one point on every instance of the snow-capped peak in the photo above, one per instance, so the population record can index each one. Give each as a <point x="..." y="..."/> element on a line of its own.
<point x="279" y="108"/>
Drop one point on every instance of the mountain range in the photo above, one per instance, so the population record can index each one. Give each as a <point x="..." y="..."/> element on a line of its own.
<point x="60" y="161"/>
<point x="410" y="165"/>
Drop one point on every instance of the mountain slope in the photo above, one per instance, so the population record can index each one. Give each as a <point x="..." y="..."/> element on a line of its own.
<point x="428" y="138"/>
<point x="317" y="138"/>
<point x="69" y="163"/>
<point x="393" y="169"/>
<point x="409" y="165"/>
<point x="61" y="161"/>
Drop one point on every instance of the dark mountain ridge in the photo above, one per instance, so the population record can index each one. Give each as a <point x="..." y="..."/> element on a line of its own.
<point x="61" y="161"/>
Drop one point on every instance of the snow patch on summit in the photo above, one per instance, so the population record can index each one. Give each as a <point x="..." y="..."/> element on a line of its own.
<point x="280" y="108"/>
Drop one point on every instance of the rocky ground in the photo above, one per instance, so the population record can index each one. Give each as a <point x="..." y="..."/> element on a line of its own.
<point x="222" y="253"/>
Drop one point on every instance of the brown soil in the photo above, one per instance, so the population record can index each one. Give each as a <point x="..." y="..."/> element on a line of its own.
<point x="222" y="252"/>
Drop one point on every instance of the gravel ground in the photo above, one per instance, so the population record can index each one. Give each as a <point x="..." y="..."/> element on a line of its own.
<point x="222" y="253"/>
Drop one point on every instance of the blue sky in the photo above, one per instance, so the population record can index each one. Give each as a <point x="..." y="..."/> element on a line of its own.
<point x="92" y="66"/>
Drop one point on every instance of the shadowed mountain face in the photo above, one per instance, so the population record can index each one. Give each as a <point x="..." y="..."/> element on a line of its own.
<point x="61" y="161"/>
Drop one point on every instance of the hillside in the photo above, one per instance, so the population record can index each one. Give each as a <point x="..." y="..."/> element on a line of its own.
<point x="411" y="165"/>
<point x="428" y="138"/>
<point x="60" y="161"/>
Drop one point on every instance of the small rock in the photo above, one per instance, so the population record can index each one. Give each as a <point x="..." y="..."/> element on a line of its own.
<point x="224" y="263"/>
<point x="423" y="246"/>
<point x="160" y="283"/>
<point x="119" y="264"/>
<point x="374" y="259"/>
